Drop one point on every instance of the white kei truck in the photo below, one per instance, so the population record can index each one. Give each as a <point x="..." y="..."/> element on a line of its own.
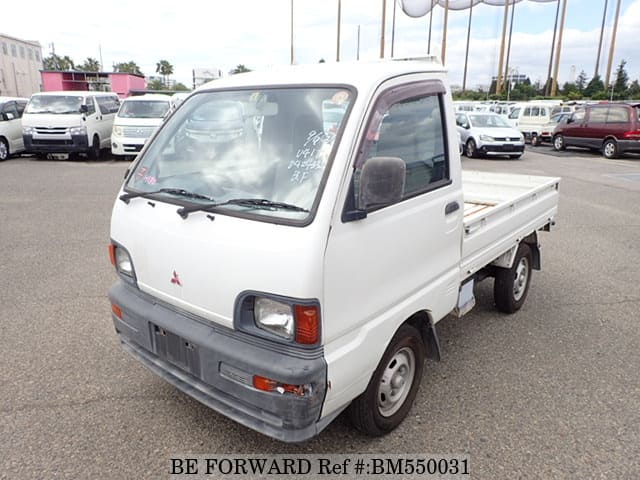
<point x="289" y="239"/>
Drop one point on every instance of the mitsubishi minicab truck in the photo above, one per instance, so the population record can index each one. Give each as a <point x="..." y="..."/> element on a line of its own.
<point x="288" y="241"/>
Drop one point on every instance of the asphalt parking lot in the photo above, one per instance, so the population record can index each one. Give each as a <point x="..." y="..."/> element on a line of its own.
<point x="550" y="392"/>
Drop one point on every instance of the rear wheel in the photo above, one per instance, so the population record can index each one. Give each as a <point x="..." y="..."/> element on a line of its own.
<point x="558" y="143"/>
<point x="610" y="148"/>
<point x="94" y="151"/>
<point x="471" y="149"/>
<point x="511" y="285"/>
<point x="4" y="150"/>
<point x="393" y="386"/>
<point x="535" y="140"/>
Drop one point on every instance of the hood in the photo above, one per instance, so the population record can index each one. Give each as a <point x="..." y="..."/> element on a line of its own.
<point x="216" y="260"/>
<point x="497" y="132"/>
<point x="137" y="122"/>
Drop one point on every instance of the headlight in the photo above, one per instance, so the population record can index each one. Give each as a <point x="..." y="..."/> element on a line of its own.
<point x="117" y="130"/>
<point x="521" y="137"/>
<point x="486" y="138"/>
<point x="28" y="130"/>
<point x="121" y="260"/>
<point x="78" y="130"/>
<point x="274" y="317"/>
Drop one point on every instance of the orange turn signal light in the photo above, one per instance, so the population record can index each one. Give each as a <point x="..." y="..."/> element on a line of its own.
<point x="116" y="310"/>
<point x="307" y="324"/>
<point x="268" y="385"/>
<point x="112" y="254"/>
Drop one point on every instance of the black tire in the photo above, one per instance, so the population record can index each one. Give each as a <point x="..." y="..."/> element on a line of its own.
<point x="511" y="285"/>
<point x="373" y="412"/>
<point x="535" y="140"/>
<point x="610" y="149"/>
<point x="94" y="152"/>
<point x="515" y="157"/>
<point x="558" y="143"/>
<point x="470" y="148"/>
<point x="4" y="150"/>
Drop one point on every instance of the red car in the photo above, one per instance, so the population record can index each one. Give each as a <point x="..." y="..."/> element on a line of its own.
<point x="613" y="128"/>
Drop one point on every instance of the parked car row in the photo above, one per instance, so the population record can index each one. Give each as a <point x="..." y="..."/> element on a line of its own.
<point x="72" y="122"/>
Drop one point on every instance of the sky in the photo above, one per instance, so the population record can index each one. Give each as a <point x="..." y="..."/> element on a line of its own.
<point x="256" y="33"/>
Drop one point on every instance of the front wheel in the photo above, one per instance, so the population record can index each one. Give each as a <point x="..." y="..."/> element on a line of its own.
<point x="610" y="149"/>
<point x="94" y="151"/>
<point x="558" y="143"/>
<point x="393" y="387"/>
<point x="511" y="285"/>
<point x="535" y="140"/>
<point x="4" y="150"/>
<point x="470" y="148"/>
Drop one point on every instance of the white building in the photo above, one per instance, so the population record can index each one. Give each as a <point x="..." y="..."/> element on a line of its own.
<point x="20" y="65"/>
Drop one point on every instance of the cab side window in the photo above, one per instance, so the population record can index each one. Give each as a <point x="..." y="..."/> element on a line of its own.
<point x="412" y="131"/>
<point x="10" y="111"/>
<point x="91" y="107"/>
<point x="20" y="105"/>
<point x="108" y="104"/>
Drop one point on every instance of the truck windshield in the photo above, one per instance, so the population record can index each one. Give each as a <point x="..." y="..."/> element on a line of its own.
<point x="57" y="104"/>
<point x="143" y="109"/>
<point x="268" y="148"/>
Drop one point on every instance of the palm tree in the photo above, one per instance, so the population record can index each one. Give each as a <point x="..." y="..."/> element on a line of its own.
<point x="164" y="68"/>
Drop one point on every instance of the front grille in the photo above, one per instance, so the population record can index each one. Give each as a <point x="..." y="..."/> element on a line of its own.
<point x="507" y="139"/>
<point x="51" y="142"/>
<point x="138" y="132"/>
<point x="132" y="148"/>
<point x="51" y="130"/>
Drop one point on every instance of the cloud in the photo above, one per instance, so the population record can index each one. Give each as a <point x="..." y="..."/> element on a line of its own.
<point x="193" y="34"/>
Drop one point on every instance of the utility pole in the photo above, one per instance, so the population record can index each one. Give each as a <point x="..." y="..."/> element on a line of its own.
<point x="501" y="61"/>
<point x="384" y="13"/>
<point x="549" y="86"/>
<point x="358" y="49"/>
<point x="291" y="32"/>
<point x="444" y="31"/>
<point x="554" y="86"/>
<point x="613" y="43"/>
<point x="393" y="28"/>
<point x="466" y="55"/>
<point x="430" y="24"/>
<point x="338" y="40"/>
<point x="604" y="18"/>
<point x="506" y="68"/>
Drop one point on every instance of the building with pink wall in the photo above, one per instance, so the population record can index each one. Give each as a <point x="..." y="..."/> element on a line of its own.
<point x="121" y="83"/>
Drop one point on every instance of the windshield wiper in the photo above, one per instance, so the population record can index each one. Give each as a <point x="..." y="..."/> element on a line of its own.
<point x="173" y="191"/>
<point x="246" y="202"/>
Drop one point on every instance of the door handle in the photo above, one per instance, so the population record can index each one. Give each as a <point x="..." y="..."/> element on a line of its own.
<point x="451" y="207"/>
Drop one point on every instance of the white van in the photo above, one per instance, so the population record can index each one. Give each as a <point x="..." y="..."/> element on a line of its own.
<point x="137" y="119"/>
<point x="69" y="122"/>
<point x="530" y="117"/>
<point x="11" y="109"/>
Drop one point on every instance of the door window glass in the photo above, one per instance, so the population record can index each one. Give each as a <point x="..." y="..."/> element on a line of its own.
<point x="618" y="115"/>
<point x="91" y="108"/>
<point x="412" y="130"/>
<point x="578" y="116"/>
<point x="598" y="115"/>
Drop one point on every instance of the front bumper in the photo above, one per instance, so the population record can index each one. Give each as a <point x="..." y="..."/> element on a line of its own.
<point x="126" y="146"/>
<point x="63" y="144"/>
<point x="215" y="365"/>
<point x="501" y="148"/>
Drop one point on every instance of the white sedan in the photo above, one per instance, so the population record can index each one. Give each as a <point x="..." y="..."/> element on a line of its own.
<point x="488" y="134"/>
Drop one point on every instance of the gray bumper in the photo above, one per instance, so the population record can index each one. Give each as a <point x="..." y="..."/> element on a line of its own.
<point x="217" y="366"/>
<point x="631" y="146"/>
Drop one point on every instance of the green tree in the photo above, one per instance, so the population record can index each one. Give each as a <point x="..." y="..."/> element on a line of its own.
<point x="634" y="90"/>
<point x="621" y="84"/>
<point x="164" y="68"/>
<point x="180" y="87"/>
<point x="240" y="69"/>
<point x="58" y="63"/>
<point x="89" y="65"/>
<point x="581" y="81"/>
<point x="156" y="84"/>
<point x="594" y="87"/>
<point x="321" y="60"/>
<point x="127" y="67"/>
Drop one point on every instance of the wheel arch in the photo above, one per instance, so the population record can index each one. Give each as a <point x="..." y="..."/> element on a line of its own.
<point x="423" y="322"/>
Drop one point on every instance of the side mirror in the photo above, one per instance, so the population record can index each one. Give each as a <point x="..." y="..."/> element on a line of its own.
<point x="466" y="126"/>
<point x="381" y="182"/>
<point x="84" y="109"/>
<point x="8" y="116"/>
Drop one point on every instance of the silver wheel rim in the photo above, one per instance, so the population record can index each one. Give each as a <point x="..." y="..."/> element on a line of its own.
<point x="470" y="149"/>
<point x="557" y="143"/>
<point x="4" y="153"/>
<point x="396" y="382"/>
<point x="609" y="149"/>
<point x="521" y="279"/>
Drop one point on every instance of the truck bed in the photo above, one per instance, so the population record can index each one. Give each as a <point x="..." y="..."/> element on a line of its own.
<point x="500" y="209"/>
